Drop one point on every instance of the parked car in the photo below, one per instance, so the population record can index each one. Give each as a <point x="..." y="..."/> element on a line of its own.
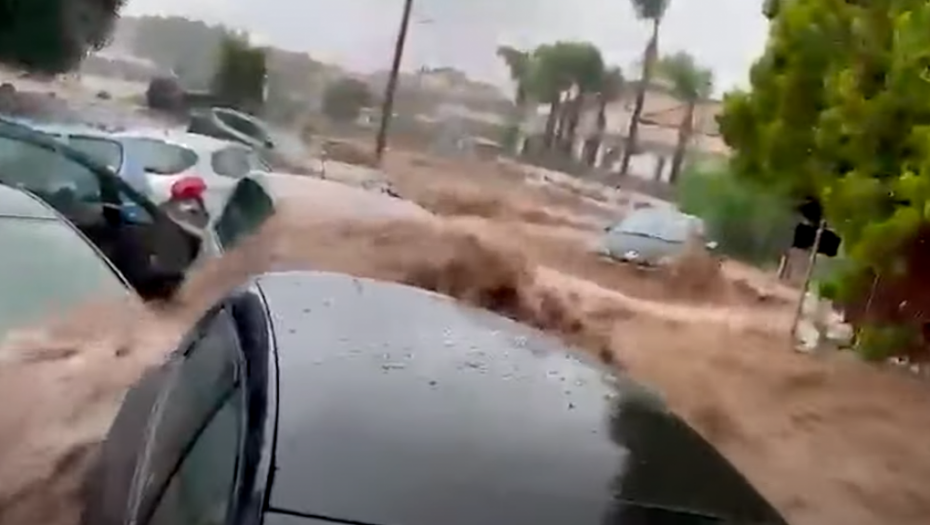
<point x="148" y="247"/>
<point x="47" y="265"/>
<point x="175" y="161"/>
<point x="101" y="146"/>
<point x="319" y="398"/>
<point x="651" y="236"/>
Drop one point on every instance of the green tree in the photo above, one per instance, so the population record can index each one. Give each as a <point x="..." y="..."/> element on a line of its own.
<point x="838" y="110"/>
<point x="189" y="48"/>
<point x="557" y="68"/>
<point x="653" y="11"/>
<point x="345" y="98"/>
<point x="53" y="36"/>
<point x="691" y="84"/>
<point x="240" y="77"/>
<point x="519" y="63"/>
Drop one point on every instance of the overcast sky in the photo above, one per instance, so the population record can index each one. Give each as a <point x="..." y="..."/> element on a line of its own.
<point x="726" y="35"/>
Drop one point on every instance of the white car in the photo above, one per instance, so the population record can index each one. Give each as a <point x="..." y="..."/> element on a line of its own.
<point x="174" y="158"/>
<point x="651" y="236"/>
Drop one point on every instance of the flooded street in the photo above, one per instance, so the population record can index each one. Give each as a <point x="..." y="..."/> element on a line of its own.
<point x="827" y="439"/>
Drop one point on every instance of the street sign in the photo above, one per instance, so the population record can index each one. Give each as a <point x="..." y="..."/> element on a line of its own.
<point x="805" y="234"/>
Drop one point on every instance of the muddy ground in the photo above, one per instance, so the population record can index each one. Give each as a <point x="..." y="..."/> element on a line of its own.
<point x="827" y="439"/>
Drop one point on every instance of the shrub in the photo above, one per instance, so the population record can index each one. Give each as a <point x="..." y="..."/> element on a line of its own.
<point x="748" y="223"/>
<point x="164" y="94"/>
<point x="880" y="342"/>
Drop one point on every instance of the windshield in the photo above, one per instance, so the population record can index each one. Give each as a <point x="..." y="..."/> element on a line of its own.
<point x="45" y="268"/>
<point x="667" y="225"/>
<point x="107" y="152"/>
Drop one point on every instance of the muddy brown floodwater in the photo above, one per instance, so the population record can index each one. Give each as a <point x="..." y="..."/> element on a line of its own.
<point x="829" y="440"/>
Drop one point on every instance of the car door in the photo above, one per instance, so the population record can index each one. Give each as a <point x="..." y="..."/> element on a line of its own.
<point x="247" y="209"/>
<point x="144" y="244"/>
<point x="173" y="453"/>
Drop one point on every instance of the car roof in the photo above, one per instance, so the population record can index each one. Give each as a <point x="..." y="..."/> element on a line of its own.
<point x="399" y="406"/>
<point x="19" y="130"/>
<point x="196" y="142"/>
<point x="69" y="130"/>
<point x="20" y="204"/>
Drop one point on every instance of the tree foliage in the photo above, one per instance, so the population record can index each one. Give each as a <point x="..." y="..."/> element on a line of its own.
<point x="547" y="73"/>
<point x="519" y="63"/>
<point x="53" y="36"/>
<point x="650" y="9"/>
<point x="189" y="48"/>
<point x="691" y="84"/>
<point x="839" y="110"/>
<point x="239" y="81"/>
<point x="345" y="98"/>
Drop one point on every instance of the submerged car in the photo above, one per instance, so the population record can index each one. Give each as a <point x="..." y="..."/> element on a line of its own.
<point x="150" y="249"/>
<point x="316" y="398"/>
<point x="651" y="236"/>
<point x="46" y="265"/>
<point x="230" y="124"/>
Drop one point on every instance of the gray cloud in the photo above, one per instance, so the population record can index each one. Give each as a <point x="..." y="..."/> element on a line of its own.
<point x="725" y="35"/>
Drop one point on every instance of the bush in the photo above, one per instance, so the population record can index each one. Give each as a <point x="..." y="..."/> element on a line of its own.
<point x="880" y="342"/>
<point x="164" y="94"/>
<point x="748" y="223"/>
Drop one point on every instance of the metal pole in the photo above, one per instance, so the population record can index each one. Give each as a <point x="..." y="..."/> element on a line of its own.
<point x="387" y="109"/>
<point x="807" y="278"/>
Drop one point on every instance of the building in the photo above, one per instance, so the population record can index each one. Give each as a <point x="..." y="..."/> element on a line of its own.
<point x="658" y="131"/>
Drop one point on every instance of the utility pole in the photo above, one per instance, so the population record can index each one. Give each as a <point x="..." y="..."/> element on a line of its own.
<point x="387" y="109"/>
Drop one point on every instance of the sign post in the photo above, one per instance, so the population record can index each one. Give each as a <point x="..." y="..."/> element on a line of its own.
<point x="807" y="278"/>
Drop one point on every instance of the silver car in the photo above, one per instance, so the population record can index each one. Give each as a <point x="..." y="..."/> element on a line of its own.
<point x="651" y="236"/>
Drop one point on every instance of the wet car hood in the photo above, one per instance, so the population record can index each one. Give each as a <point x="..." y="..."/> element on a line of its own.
<point x="401" y="407"/>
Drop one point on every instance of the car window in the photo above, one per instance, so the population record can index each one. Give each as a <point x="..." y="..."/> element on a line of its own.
<point x="46" y="267"/>
<point x="231" y="162"/>
<point x="201" y="490"/>
<point x="247" y="209"/>
<point x="159" y="157"/>
<point x="196" y="442"/>
<point x="108" y="153"/>
<point x="45" y="171"/>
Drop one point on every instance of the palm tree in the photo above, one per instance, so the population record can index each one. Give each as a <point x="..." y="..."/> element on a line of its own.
<point x="519" y="63"/>
<point x="653" y="10"/>
<point x="692" y="84"/>
<point x="610" y="89"/>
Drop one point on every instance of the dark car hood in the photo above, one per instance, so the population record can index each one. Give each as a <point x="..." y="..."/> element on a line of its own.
<point x="400" y="407"/>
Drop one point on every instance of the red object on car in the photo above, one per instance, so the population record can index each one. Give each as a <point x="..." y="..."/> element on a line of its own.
<point x="188" y="188"/>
